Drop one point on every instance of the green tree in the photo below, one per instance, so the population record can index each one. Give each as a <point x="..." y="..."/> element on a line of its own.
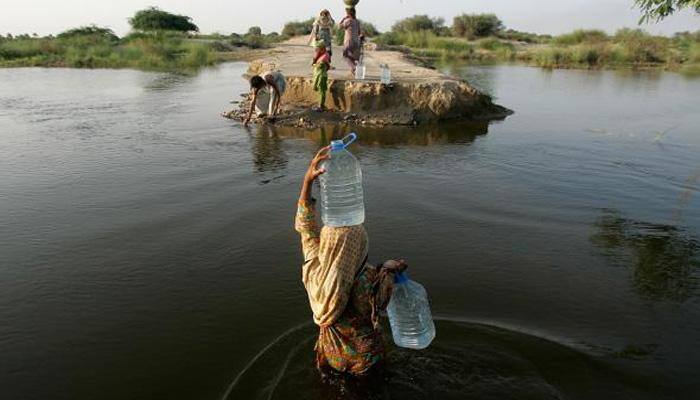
<point x="155" y="19"/>
<point x="656" y="10"/>
<point x="476" y="25"/>
<point x="418" y="23"/>
<point x="255" y="30"/>
<point x="369" y="29"/>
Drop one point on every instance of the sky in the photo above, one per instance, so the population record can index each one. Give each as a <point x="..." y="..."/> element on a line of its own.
<point x="225" y="16"/>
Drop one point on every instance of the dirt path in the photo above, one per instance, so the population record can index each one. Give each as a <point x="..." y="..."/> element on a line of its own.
<point x="415" y="95"/>
<point x="293" y="57"/>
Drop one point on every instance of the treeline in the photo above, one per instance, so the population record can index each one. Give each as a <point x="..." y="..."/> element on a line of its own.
<point x="484" y="37"/>
<point x="94" y="47"/>
<point x="159" y="40"/>
<point x="466" y="26"/>
<point x="164" y="41"/>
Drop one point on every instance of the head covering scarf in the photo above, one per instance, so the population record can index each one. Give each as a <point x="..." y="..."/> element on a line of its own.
<point x="329" y="282"/>
<point x="324" y="21"/>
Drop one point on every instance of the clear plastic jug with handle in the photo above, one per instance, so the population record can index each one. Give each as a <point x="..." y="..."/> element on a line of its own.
<point x="342" y="197"/>
<point x="360" y="70"/>
<point x="386" y="74"/>
<point x="410" y="319"/>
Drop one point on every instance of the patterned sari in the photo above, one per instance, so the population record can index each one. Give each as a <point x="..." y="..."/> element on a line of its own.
<point x="349" y="340"/>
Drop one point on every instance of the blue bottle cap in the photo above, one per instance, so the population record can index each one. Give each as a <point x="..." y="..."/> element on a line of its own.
<point x="337" y="145"/>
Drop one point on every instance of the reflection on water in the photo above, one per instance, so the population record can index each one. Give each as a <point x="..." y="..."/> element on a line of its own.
<point x="165" y="82"/>
<point x="268" y="154"/>
<point x="664" y="257"/>
<point x="424" y="135"/>
<point x="690" y="188"/>
<point x="486" y="78"/>
<point x="467" y="361"/>
<point x="483" y="81"/>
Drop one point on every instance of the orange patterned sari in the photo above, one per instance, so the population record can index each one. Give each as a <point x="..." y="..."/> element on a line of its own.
<point x="346" y="294"/>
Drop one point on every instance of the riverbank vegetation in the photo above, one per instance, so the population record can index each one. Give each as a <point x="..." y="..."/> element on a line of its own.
<point x="93" y="47"/>
<point x="168" y="42"/>
<point x="158" y="41"/>
<point x="483" y="38"/>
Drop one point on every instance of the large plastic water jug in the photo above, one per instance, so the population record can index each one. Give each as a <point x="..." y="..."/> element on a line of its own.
<point x="411" y="322"/>
<point x="360" y="69"/>
<point x="342" y="198"/>
<point x="386" y="74"/>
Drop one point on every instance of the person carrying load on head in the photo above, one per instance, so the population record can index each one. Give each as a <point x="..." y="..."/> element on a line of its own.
<point x="345" y="292"/>
<point x="352" y="43"/>
<point x="322" y="32"/>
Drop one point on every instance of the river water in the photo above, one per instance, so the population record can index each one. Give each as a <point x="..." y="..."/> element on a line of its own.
<point x="147" y="248"/>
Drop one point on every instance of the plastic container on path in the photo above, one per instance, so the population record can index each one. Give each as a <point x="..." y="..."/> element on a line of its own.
<point x="342" y="197"/>
<point x="386" y="74"/>
<point x="411" y="322"/>
<point x="360" y="69"/>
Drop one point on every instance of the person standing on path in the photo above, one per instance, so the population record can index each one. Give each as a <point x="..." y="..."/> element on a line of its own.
<point x="322" y="33"/>
<point x="322" y="63"/>
<point x="352" y="44"/>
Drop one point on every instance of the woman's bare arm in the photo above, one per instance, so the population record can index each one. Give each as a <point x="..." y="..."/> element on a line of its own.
<point x="252" y="108"/>
<point x="278" y="99"/>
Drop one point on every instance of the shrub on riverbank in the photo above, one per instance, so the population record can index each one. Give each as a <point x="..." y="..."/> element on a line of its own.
<point x="419" y="23"/>
<point x="472" y="26"/>
<point x="628" y="47"/>
<point x="524" y="37"/>
<point x="254" y="39"/>
<point x="298" y="28"/>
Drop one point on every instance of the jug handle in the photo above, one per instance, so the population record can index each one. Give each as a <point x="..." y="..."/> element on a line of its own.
<point x="352" y="136"/>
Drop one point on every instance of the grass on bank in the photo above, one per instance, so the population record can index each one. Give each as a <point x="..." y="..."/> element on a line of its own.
<point x="578" y="49"/>
<point x="93" y="47"/>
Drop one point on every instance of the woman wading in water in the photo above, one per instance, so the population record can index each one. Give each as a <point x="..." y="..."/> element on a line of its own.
<point x="345" y="292"/>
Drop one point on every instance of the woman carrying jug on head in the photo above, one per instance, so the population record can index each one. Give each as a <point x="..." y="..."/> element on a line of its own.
<point x="352" y="43"/>
<point x="345" y="292"/>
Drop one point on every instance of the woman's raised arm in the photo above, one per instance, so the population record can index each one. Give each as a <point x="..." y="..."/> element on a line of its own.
<point x="305" y="221"/>
<point x="312" y="173"/>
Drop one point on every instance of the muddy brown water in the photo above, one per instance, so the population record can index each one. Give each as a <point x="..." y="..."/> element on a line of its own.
<point x="147" y="249"/>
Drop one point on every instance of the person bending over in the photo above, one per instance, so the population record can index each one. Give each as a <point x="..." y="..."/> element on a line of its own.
<point x="267" y="90"/>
